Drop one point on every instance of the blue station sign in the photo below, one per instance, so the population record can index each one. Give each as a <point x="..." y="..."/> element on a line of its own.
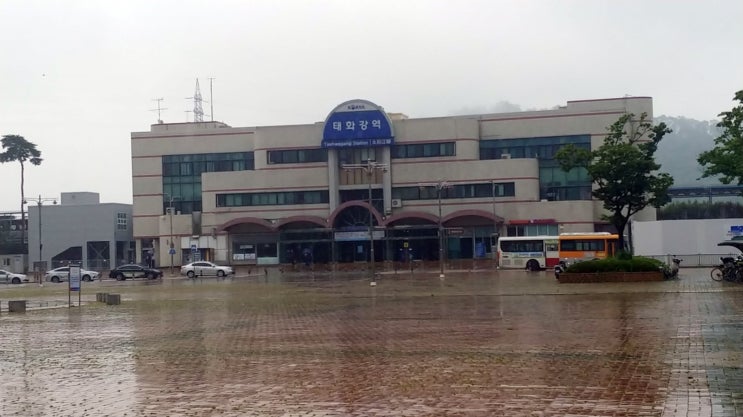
<point x="357" y="124"/>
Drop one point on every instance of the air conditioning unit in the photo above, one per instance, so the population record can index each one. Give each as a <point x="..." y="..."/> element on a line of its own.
<point x="396" y="202"/>
<point x="505" y="156"/>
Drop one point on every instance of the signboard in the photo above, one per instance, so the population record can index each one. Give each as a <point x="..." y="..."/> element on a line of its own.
<point x="75" y="277"/>
<point x="735" y="231"/>
<point x="357" y="235"/>
<point x="171" y="251"/>
<point x="357" y="124"/>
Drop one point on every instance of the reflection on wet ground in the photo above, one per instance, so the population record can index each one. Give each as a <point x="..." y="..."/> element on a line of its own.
<point x="501" y="343"/>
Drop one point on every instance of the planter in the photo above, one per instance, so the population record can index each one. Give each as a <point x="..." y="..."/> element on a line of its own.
<point x="581" y="277"/>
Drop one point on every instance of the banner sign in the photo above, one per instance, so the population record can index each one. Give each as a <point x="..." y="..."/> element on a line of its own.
<point x="75" y="277"/>
<point x="357" y="124"/>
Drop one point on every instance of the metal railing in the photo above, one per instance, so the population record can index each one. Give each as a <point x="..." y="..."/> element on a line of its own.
<point x="695" y="260"/>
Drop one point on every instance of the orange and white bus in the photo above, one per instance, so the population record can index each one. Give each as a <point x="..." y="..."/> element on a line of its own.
<point x="587" y="246"/>
<point x="528" y="252"/>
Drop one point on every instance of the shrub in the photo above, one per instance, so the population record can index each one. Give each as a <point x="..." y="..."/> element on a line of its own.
<point x="634" y="264"/>
<point x="624" y="255"/>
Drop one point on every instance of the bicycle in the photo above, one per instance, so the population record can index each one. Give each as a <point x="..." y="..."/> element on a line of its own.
<point x="731" y="270"/>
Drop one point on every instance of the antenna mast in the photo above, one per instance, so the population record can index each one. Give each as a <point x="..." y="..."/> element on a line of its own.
<point x="211" y="98"/>
<point x="198" y="111"/>
<point x="159" y="109"/>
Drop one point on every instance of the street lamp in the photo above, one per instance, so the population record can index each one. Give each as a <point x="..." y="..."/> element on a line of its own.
<point x="171" y="249"/>
<point x="439" y="187"/>
<point x="39" y="201"/>
<point x="369" y="168"/>
<point x="494" y="242"/>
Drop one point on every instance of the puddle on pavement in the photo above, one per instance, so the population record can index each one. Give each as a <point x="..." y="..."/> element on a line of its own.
<point x="233" y="347"/>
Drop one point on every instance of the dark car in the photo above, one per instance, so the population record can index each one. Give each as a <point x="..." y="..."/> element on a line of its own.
<point x="134" y="271"/>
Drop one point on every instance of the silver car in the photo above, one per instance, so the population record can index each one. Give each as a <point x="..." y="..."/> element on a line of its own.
<point x="8" y="277"/>
<point x="63" y="274"/>
<point x="203" y="268"/>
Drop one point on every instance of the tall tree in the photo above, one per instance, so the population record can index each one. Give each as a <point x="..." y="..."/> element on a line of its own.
<point x="17" y="148"/>
<point x="726" y="158"/>
<point x="623" y="169"/>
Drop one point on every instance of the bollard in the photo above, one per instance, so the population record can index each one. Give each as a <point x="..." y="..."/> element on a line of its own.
<point x="113" y="299"/>
<point x="17" y="306"/>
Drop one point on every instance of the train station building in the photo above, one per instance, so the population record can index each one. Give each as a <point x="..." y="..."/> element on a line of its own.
<point x="363" y="183"/>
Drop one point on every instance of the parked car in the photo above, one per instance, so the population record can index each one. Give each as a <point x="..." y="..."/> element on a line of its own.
<point x="128" y="271"/>
<point x="63" y="274"/>
<point x="8" y="277"/>
<point x="203" y="268"/>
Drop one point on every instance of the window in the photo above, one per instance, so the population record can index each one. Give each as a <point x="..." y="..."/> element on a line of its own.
<point x="121" y="221"/>
<point x="592" y="245"/>
<point x="532" y="230"/>
<point x="273" y="199"/>
<point x="182" y="175"/>
<point x="424" y="150"/>
<point x="522" y="245"/>
<point x="296" y="156"/>
<point x="481" y="190"/>
<point x="554" y="183"/>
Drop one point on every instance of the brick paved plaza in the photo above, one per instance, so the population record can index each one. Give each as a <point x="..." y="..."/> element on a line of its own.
<point x="476" y="344"/>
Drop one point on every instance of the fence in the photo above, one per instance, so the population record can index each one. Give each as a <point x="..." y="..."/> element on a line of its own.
<point x="697" y="260"/>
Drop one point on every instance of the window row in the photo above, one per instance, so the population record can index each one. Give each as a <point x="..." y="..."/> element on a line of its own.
<point x="122" y="222"/>
<point x="584" y="245"/>
<point x="190" y="165"/>
<point x="429" y="192"/>
<point x="208" y="157"/>
<point x="522" y="245"/>
<point x="541" y="148"/>
<point x="532" y="230"/>
<point x="297" y="156"/>
<point x="423" y="150"/>
<point x="272" y="199"/>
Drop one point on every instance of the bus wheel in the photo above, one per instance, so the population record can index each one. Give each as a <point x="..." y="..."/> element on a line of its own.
<point x="532" y="265"/>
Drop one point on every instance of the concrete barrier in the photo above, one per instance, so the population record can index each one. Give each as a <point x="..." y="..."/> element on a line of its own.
<point x="17" y="306"/>
<point x="113" y="299"/>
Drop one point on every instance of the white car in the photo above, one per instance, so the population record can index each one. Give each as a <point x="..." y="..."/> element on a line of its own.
<point x="63" y="274"/>
<point x="11" y="277"/>
<point x="203" y="268"/>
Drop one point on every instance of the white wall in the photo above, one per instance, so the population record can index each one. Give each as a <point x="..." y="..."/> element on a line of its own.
<point x="683" y="237"/>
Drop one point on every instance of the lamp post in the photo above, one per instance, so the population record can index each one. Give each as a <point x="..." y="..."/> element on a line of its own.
<point x="439" y="187"/>
<point x="495" y="231"/>
<point x="369" y="168"/>
<point x="39" y="202"/>
<point x="171" y="248"/>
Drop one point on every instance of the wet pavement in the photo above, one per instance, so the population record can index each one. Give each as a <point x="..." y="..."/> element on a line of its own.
<point x="475" y="344"/>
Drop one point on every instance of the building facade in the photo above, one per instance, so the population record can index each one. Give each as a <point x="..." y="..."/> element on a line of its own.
<point x="422" y="188"/>
<point x="80" y="229"/>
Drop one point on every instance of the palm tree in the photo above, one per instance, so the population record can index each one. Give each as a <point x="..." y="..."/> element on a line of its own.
<point x="17" y="148"/>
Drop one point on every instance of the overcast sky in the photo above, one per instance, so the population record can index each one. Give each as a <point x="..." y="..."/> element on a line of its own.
<point x="77" y="77"/>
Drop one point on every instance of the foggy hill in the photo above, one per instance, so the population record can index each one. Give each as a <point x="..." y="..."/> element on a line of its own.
<point x="678" y="151"/>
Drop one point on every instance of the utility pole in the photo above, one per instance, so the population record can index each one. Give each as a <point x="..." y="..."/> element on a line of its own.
<point x="39" y="202"/>
<point x="171" y="248"/>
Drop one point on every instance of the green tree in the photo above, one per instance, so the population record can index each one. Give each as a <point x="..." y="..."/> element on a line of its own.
<point x="726" y="158"/>
<point x="17" y="148"/>
<point x="623" y="169"/>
